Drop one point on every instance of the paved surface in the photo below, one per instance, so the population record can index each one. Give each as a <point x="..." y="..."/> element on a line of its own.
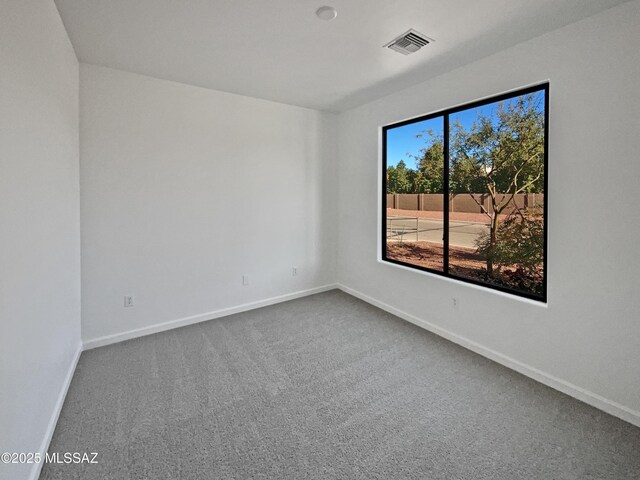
<point x="433" y="215"/>
<point x="461" y="234"/>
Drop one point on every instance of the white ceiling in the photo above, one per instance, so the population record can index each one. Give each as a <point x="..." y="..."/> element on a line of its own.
<point x="279" y="50"/>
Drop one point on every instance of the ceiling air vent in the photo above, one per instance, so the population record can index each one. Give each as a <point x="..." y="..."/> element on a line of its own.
<point x="409" y="42"/>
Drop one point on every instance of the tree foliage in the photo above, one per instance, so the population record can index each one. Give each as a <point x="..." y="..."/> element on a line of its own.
<point x="520" y="241"/>
<point x="431" y="166"/>
<point x="502" y="153"/>
<point x="399" y="178"/>
<point x="427" y="177"/>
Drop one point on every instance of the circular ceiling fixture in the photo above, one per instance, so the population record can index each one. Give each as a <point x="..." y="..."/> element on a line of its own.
<point x="326" y="13"/>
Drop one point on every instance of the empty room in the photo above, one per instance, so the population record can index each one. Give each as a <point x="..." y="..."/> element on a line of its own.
<point x="290" y="239"/>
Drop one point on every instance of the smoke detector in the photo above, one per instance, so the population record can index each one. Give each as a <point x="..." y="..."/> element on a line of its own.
<point x="409" y="42"/>
<point x="326" y="13"/>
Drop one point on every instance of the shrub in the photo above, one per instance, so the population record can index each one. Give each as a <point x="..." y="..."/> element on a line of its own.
<point x="519" y="243"/>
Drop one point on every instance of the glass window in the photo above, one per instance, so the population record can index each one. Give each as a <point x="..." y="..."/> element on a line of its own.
<point x="464" y="192"/>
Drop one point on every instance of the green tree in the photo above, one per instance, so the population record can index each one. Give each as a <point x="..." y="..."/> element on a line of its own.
<point x="501" y="156"/>
<point x="430" y="164"/>
<point x="520" y="243"/>
<point x="465" y="176"/>
<point x="427" y="177"/>
<point x="392" y="179"/>
<point x="399" y="178"/>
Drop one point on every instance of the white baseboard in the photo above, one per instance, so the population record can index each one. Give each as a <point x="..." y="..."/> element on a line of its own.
<point x="182" y="322"/>
<point x="590" y="398"/>
<point x="53" y="421"/>
<point x="593" y="399"/>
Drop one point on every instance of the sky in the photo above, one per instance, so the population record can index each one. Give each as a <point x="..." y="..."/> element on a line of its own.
<point x="402" y="141"/>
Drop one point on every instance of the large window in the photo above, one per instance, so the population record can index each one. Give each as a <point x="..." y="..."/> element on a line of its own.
<point x="464" y="192"/>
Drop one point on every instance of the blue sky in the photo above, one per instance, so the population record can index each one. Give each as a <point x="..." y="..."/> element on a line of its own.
<point x="402" y="141"/>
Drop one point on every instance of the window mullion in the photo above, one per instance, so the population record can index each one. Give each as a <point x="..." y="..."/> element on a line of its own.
<point x="445" y="197"/>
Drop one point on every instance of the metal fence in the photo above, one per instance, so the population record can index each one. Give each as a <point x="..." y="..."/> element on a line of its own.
<point x="399" y="228"/>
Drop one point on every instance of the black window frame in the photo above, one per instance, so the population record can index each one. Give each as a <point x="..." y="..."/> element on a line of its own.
<point x="445" y="113"/>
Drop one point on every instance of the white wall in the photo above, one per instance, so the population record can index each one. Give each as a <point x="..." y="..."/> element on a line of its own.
<point x="589" y="335"/>
<point x="39" y="223"/>
<point x="186" y="189"/>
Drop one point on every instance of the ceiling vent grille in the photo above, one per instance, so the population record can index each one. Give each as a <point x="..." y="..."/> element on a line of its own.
<point x="409" y="42"/>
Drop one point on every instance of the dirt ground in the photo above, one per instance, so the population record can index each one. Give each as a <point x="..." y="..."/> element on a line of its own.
<point x="463" y="262"/>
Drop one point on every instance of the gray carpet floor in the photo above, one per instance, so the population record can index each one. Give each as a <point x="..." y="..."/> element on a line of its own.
<point x="324" y="387"/>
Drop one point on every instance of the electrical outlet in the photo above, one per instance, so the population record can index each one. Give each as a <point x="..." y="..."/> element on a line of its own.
<point x="128" y="301"/>
<point x="294" y="271"/>
<point x="245" y="279"/>
<point x="455" y="303"/>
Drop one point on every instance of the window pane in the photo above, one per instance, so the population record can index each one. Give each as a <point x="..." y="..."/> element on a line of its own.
<point x="415" y="194"/>
<point x="496" y="185"/>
